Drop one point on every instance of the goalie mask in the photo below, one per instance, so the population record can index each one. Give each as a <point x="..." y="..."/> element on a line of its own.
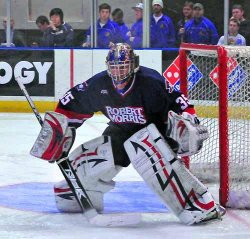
<point x="121" y="63"/>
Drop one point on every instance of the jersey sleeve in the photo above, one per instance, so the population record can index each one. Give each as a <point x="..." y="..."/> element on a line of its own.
<point x="175" y="101"/>
<point x="180" y="103"/>
<point x="76" y="104"/>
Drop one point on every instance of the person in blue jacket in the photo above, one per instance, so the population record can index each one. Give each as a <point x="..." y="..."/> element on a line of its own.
<point x="117" y="16"/>
<point x="60" y="33"/>
<point x="200" y="30"/>
<point x="134" y="35"/>
<point x="108" y="31"/>
<point x="162" y="28"/>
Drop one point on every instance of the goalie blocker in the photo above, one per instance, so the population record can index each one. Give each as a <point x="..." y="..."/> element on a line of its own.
<point x="55" y="138"/>
<point x="167" y="176"/>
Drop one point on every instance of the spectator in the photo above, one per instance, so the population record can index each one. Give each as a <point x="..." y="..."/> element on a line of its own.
<point x="117" y="16"/>
<point x="108" y="32"/>
<point x="162" y="27"/>
<point x="43" y="25"/>
<point x="244" y="30"/>
<point x="234" y="38"/>
<point x="200" y="30"/>
<point x="187" y="14"/>
<point x="60" y="33"/>
<point x="134" y="36"/>
<point x="16" y="37"/>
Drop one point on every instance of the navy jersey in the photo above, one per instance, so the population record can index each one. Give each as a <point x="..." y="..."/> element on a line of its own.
<point x="145" y="101"/>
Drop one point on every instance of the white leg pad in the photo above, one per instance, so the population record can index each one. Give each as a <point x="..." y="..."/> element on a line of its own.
<point x="94" y="165"/>
<point x="66" y="201"/>
<point x="168" y="177"/>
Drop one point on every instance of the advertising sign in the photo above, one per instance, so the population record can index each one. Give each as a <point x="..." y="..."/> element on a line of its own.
<point x="34" y="68"/>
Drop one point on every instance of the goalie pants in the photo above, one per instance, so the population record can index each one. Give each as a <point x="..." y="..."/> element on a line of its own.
<point x="118" y="137"/>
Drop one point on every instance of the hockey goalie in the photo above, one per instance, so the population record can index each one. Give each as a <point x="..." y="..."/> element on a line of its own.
<point x="149" y="127"/>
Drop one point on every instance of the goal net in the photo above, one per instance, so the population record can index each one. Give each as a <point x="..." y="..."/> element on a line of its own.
<point x="217" y="81"/>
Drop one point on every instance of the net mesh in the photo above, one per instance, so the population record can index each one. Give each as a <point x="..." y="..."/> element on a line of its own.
<point x="204" y="95"/>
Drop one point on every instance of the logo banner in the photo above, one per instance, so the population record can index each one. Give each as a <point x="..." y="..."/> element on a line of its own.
<point x="34" y="68"/>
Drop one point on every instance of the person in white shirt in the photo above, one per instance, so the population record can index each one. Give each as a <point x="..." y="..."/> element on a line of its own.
<point x="234" y="38"/>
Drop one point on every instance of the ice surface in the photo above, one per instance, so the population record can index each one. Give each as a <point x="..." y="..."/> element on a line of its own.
<point x="27" y="208"/>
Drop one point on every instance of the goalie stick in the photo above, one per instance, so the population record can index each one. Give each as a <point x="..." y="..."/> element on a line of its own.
<point x="77" y="188"/>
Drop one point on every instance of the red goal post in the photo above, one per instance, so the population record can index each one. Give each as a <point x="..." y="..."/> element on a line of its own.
<point x="221" y="95"/>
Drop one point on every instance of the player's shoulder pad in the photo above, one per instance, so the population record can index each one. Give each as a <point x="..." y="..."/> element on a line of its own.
<point x="93" y="82"/>
<point x="149" y="74"/>
<point x="103" y="75"/>
<point x="100" y="74"/>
